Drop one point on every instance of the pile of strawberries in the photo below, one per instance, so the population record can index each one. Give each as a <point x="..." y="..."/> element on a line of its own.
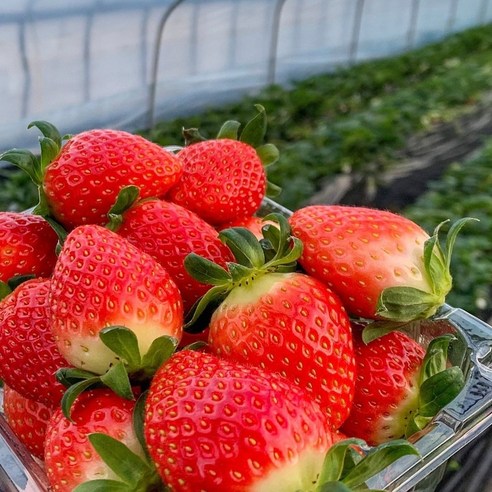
<point x="156" y="335"/>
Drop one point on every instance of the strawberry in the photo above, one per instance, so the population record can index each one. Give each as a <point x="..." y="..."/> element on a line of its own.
<point x="398" y="387"/>
<point x="80" y="181"/>
<point x="169" y="232"/>
<point x="28" y="420"/>
<point x="212" y="424"/>
<point x="382" y="265"/>
<point x="100" y="281"/>
<point x="286" y="322"/>
<point x="27" y="246"/>
<point x="29" y="356"/>
<point x="224" y="178"/>
<point x="98" y="446"/>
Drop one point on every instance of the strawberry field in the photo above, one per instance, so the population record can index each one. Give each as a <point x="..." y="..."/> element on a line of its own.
<point x="166" y="326"/>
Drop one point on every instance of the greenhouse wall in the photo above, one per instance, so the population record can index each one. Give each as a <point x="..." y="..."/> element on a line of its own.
<point x="129" y="63"/>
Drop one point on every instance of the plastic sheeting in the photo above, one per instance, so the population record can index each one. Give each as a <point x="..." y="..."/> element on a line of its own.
<point x="129" y="63"/>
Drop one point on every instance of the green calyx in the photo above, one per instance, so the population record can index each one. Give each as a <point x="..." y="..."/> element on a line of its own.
<point x="253" y="134"/>
<point x="278" y="251"/>
<point x="350" y="463"/>
<point x="126" y="198"/>
<point x="132" y="367"/>
<point x="438" y="383"/>
<point x="405" y="304"/>
<point x="35" y="166"/>
<point x="135" y="473"/>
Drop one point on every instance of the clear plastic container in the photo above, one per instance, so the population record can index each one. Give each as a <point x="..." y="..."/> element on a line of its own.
<point x="456" y="426"/>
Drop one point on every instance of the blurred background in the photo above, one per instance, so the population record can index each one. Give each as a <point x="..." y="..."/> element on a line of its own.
<point x="384" y="103"/>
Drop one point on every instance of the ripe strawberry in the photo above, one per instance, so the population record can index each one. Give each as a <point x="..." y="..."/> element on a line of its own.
<point x="224" y="179"/>
<point x="80" y="181"/>
<point x="213" y="424"/>
<point x="27" y="245"/>
<point x="169" y="232"/>
<point x="284" y="322"/>
<point x="28" y="420"/>
<point x="102" y="280"/>
<point x="381" y="264"/>
<point x="72" y="456"/>
<point x="292" y="324"/>
<point x="398" y="387"/>
<point x="29" y="356"/>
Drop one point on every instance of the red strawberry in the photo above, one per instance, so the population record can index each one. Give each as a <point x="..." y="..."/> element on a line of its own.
<point x="285" y="322"/>
<point x="222" y="180"/>
<point x="381" y="264"/>
<point x="212" y="424"/>
<point x="169" y="232"/>
<point x="81" y="180"/>
<point x="102" y="280"/>
<point x="397" y="392"/>
<point x="72" y="456"/>
<point x="28" y="420"/>
<point x="29" y="356"/>
<point x="27" y="245"/>
<point x="294" y="325"/>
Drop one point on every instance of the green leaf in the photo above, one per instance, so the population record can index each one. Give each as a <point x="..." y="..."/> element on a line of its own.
<point x="161" y="349"/>
<point x="48" y="130"/>
<point x="58" y="228"/>
<point x="334" y="462"/>
<point x="127" y="196"/>
<point x="436" y="357"/>
<point x="244" y="246"/>
<point x="377" y="459"/>
<point x="124" y="343"/>
<point x="229" y="130"/>
<point x="138" y="422"/>
<point x="27" y="161"/>
<point x="17" y="280"/>
<point x="333" y="487"/>
<point x="5" y="290"/>
<point x="73" y="392"/>
<point x="49" y="151"/>
<point x="406" y="304"/>
<point x="130" y="467"/>
<point x="268" y="154"/>
<point x="439" y="390"/>
<point x="103" y="485"/>
<point x="192" y="136"/>
<point x="240" y="273"/>
<point x="71" y="375"/>
<point x="452" y="235"/>
<point x="255" y="130"/>
<point x="378" y="329"/>
<point x="116" y="378"/>
<point x="211" y="297"/>
<point x="290" y="257"/>
<point x="273" y="190"/>
<point x="206" y="271"/>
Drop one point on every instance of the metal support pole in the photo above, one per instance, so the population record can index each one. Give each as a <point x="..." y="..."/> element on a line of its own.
<point x="272" y="56"/>
<point x="155" y="61"/>
<point x="453" y="11"/>
<point x="412" y="28"/>
<point x="354" y="43"/>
